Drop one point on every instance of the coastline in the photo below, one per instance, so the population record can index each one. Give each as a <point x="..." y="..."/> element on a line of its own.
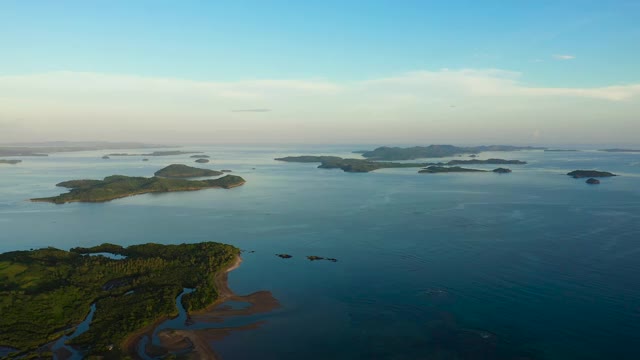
<point x="130" y="343"/>
<point x="48" y="200"/>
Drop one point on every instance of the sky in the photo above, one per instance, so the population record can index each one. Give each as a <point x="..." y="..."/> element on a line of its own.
<point x="374" y="72"/>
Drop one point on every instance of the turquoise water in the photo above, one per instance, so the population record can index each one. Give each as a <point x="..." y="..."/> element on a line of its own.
<point x="532" y="264"/>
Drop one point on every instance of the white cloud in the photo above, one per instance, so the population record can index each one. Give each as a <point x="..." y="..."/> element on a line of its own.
<point x="490" y="104"/>
<point x="563" y="57"/>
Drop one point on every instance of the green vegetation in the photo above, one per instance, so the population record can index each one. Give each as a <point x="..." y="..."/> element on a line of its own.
<point x="435" y="151"/>
<point x="444" y="169"/>
<point x="502" y="170"/>
<point x="46" y="292"/>
<point x="488" y="161"/>
<point x="184" y="171"/>
<point x="347" y="165"/>
<point x="119" y="186"/>
<point x="577" y="174"/>
<point x="10" y="162"/>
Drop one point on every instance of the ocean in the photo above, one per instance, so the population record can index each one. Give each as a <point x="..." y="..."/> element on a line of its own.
<point x="528" y="265"/>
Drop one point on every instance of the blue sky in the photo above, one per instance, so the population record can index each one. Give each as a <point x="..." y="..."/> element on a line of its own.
<point x="318" y="64"/>
<point x="228" y="40"/>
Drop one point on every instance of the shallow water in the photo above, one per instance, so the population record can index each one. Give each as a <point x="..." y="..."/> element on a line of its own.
<point x="532" y="264"/>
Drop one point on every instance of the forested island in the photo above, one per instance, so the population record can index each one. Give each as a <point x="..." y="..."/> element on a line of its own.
<point x="184" y="171"/>
<point x="577" y="174"/>
<point x="45" y="293"/>
<point x="119" y="186"/>
<point x="347" y="165"/>
<point x="436" y="151"/>
<point x="482" y="162"/>
<point x="10" y="162"/>
<point x="434" y="169"/>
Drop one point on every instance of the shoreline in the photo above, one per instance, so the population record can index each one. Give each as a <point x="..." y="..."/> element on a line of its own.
<point x="130" y="343"/>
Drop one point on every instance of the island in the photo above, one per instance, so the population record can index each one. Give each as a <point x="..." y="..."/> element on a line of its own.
<point x="106" y="157"/>
<point x="593" y="181"/>
<point x="284" y="256"/>
<point x="347" y="165"/>
<point x="502" y="170"/>
<point x="436" y="151"/>
<point x="433" y="169"/>
<point x="202" y="161"/>
<point x="315" y="258"/>
<point x="10" y="162"/>
<point x="577" y="174"/>
<point x="184" y="171"/>
<point x="158" y="153"/>
<point x="45" y="148"/>
<point x="46" y="293"/>
<point x="200" y="156"/>
<point x="620" y="150"/>
<point x="120" y="186"/>
<point x="483" y="162"/>
<point x="560" y="150"/>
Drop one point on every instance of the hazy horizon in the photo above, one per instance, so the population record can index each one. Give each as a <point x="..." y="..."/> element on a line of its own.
<point x="251" y="72"/>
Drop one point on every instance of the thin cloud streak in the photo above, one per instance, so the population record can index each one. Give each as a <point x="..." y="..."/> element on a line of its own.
<point x="564" y="57"/>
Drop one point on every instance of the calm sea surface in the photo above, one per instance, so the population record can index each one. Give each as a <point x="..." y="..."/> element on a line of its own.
<point x="528" y="265"/>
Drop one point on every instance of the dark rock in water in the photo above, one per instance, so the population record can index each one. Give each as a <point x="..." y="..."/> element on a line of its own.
<point x="576" y="174"/>
<point x="145" y="159"/>
<point x="202" y="161"/>
<point x="314" y="258"/>
<point x="284" y="256"/>
<point x="502" y="171"/>
<point x="106" y="157"/>
<point x="593" y="181"/>
<point x="473" y="155"/>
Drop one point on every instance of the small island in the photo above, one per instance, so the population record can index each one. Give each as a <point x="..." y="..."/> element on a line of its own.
<point x="483" y="162"/>
<point x="158" y="153"/>
<point x="199" y="156"/>
<point x="284" y="256"/>
<point x="577" y="174"/>
<point x="620" y="150"/>
<point x="184" y="171"/>
<point x="433" y="169"/>
<point x="106" y="157"/>
<point x="10" y="162"/>
<point x="316" y="258"/>
<point x="347" y="165"/>
<point x="120" y="186"/>
<point x="502" y="170"/>
<point x="46" y="293"/>
<point x="560" y="150"/>
<point x="202" y="161"/>
<point x="593" y="181"/>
